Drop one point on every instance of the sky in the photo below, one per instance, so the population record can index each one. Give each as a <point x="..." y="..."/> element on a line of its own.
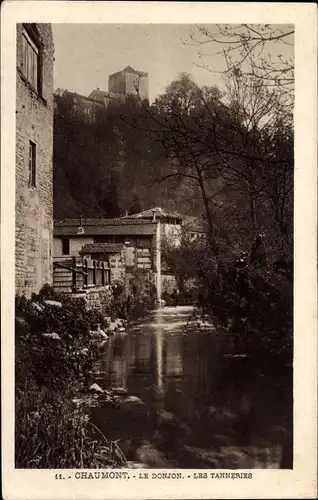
<point x="86" y="54"/>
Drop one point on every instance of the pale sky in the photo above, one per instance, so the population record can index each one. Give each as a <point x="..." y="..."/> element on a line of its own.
<point x="86" y="54"/>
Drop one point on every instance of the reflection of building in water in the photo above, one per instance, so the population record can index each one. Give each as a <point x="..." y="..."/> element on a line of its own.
<point x="159" y="360"/>
<point x="143" y="353"/>
<point x="119" y="361"/>
<point x="173" y="355"/>
<point x="119" y="372"/>
<point x="106" y="361"/>
<point x="206" y="369"/>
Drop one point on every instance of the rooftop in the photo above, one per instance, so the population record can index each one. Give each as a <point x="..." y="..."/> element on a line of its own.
<point x="120" y="226"/>
<point x="100" y="95"/>
<point x="129" y="69"/>
<point x="158" y="212"/>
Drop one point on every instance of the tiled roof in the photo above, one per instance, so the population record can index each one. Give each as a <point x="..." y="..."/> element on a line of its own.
<point x="129" y="69"/>
<point x="159" y="212"/>
<point x="123" y="227"/>
<point x="120" y="221"/>
<point x="102" y="248"/>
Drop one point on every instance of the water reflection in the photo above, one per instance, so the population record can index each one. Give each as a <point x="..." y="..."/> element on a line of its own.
<point x="172" y="368"/>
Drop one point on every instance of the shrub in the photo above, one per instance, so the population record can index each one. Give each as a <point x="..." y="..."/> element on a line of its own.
<point x="53" y="362"/>
<point x="135" y="297"/>
<point x="50" y="432"/>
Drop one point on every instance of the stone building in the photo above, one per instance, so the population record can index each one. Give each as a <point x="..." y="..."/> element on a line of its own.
<point x="126" y="244"/>
<point x="122" y="84"/>
<point x="129" y="82"/>
<point x="73" y="236"/>
<point x="34" y="150"/>
<point x="77" y="106"/>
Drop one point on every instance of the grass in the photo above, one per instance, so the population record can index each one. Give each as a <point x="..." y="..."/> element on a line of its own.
<point x="52" y="433"/>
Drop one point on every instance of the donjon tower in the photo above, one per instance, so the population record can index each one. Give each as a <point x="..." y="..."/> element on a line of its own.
<point x="129" y="82"/>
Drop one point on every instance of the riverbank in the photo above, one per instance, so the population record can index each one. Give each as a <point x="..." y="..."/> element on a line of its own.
<point x="58" y="346"/>
<point x="97" y="392"/>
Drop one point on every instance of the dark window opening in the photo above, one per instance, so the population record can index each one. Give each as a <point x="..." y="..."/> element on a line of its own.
<point x="66" y="247"/>
<point x="32" y="164"/>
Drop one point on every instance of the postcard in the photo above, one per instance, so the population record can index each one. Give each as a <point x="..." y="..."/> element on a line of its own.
<point x="159" y="244"/>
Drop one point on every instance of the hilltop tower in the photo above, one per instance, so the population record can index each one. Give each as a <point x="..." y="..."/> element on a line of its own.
<point x="129" y="82"/>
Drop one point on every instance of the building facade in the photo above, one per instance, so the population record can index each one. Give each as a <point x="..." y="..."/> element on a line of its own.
<point x="34" y="157"/>
<point x="129" y="82"/>
<point x="72" y="236"/>
<point x="122" y="84"/>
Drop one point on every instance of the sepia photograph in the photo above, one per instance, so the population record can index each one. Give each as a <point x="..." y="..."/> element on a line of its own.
<point x="156" y="273"/>
<point x="154" y="246"/>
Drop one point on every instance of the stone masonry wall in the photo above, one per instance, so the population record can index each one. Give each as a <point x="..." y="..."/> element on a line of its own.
<point x="96" y="298"/>
<point x="117" y="267"/>
<point x="34" y="205"/>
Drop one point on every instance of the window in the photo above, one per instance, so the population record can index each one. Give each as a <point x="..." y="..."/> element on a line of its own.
<point x="30" y="60"/>
<point x="66" y="247"/>
<point x="32" y="164"/>
<point x="130" y="256"/>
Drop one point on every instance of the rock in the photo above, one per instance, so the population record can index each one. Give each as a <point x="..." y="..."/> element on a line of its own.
<point x="151" y="456"/>
<point x="84" y="351"/>
<point x="21" y="321"/>
<point x="119" y="390"/>
<point x="37" y="306"/>
<point x="53" y="303"/>
<point x="77" y="401"/>
<point x="209" y="457"/>
<point x="166" y="417"/>
<point x="136" y="465"/>
<point x="112" y="327"/>
<point x="53" y="336"/>
<point x="98" y="334"/>
<point x="133" y="400"/>
<point x="96" y="388"/>
<point x="122" y="329"/>
<point x="102" y="344"/>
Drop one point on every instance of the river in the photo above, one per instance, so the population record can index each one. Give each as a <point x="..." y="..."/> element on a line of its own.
<point x="181" y="410"/>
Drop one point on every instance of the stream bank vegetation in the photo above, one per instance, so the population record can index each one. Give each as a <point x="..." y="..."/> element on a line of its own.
<point x="57" y="350"/>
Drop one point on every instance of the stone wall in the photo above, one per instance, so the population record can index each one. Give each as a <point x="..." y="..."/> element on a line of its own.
<point x="144" y="258"/>
<point x="117" y="267"/>
<point x="34" y="205"/>
<point x="96" y="298"/>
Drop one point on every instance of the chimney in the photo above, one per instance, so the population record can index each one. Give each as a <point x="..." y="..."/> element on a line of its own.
<point x="80" y="229"/>
<point x="154" y="216"/>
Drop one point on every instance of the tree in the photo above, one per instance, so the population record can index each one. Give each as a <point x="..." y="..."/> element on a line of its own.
<point x="262" y="51"/>
<point x="233" y="148"/>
